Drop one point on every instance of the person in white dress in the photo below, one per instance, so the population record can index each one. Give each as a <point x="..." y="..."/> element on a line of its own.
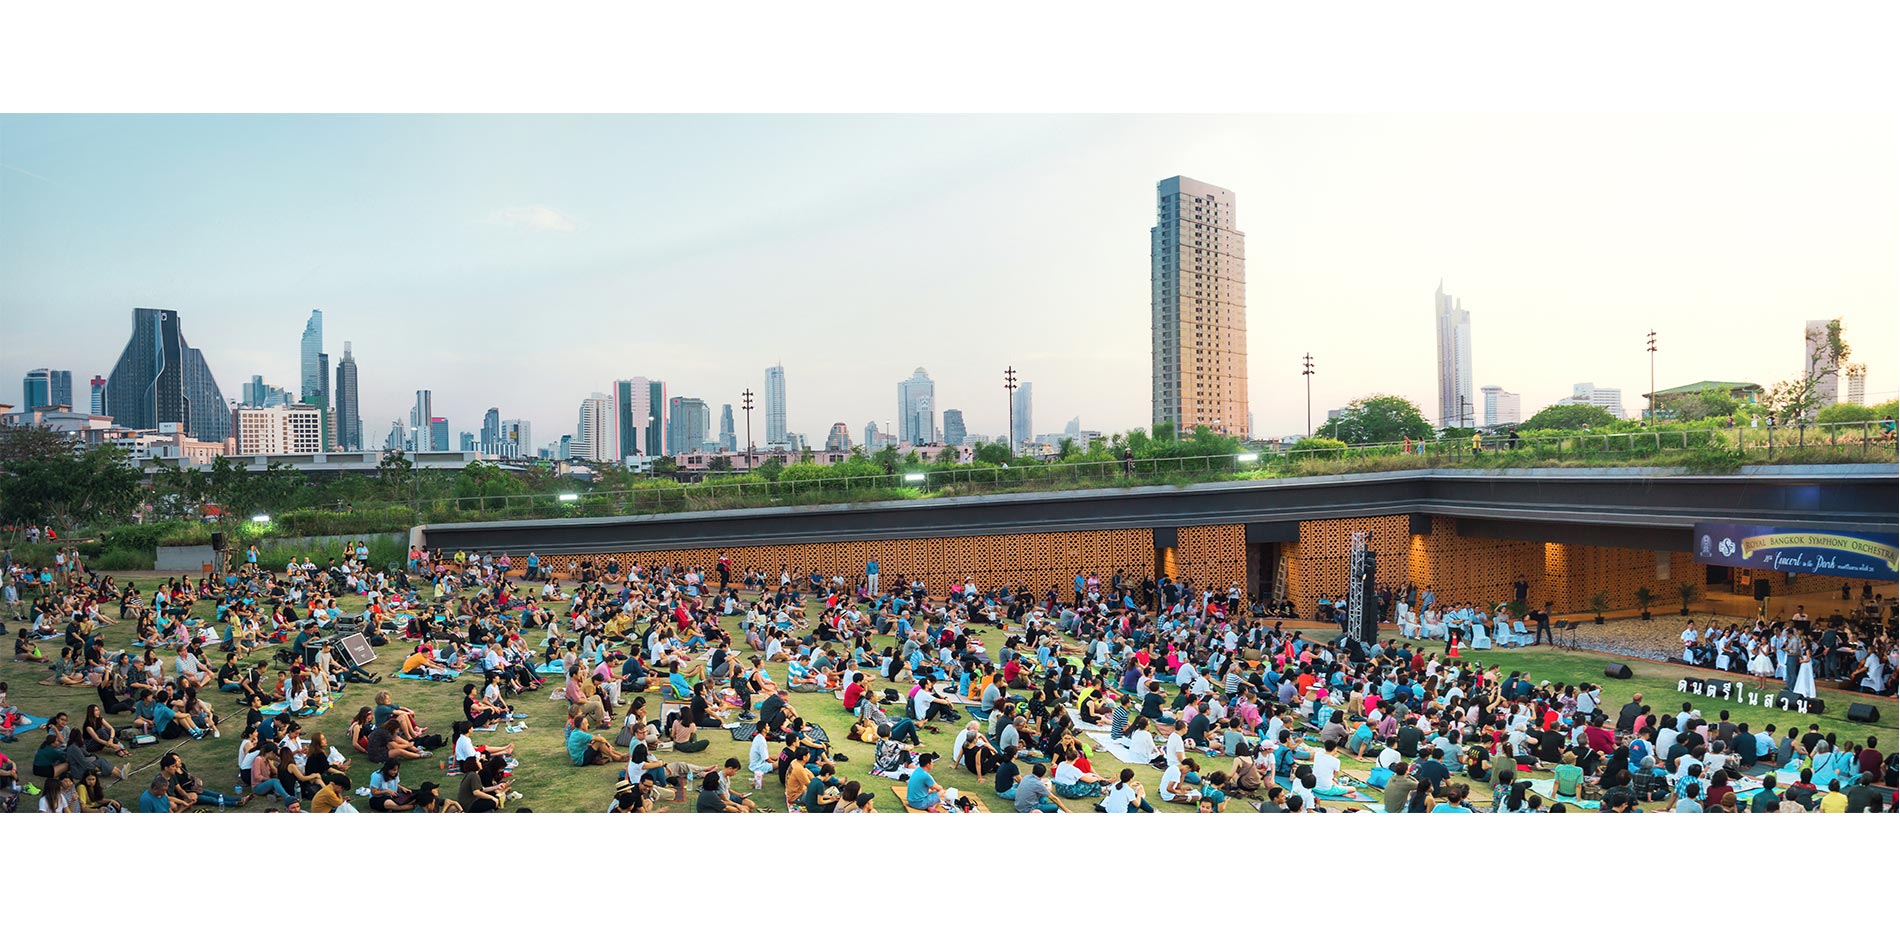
<point x="1761" y="664"/>
<point x="1804" y="677"/>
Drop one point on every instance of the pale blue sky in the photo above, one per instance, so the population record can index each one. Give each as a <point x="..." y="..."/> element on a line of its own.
<point x="523" y="262"/>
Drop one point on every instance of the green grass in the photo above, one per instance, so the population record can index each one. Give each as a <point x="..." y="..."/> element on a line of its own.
<point x="551" y="783"/>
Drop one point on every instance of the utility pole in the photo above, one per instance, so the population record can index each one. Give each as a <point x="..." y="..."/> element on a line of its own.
<point x="1009" y="385"/>
<point x="1308" y="374"/>
<point x="746" y="400"/>
<point x="1652" y="378"/>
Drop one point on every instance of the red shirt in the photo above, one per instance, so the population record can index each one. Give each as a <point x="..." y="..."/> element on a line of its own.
<point x="852" y="693"/>
<point x="1011" y="670"/>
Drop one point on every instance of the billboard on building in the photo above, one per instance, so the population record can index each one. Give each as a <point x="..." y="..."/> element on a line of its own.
<point x="1861" y="555"/>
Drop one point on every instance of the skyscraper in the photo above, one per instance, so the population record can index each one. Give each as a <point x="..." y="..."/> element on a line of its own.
<point x="161" y="378"/>
<point x="37" y="389"/>
<point x="1023" y="404"/>
<point x="775" y="404"/>
<point x="438" y="434"/>
<point x="1198" y="292"/>
<point x="98" y="395"/>
<point x="467" y="442"/>
<point x="917" y="409"/>
<point x="349" y="419"/>
<point x="1500" y="407"/>
<point x="1818" y="361"/>
<point x="1456" y="401"/>
<point x="491" y="430"/>
<point x="654" y="444"/>
<point x="314" y="369"/>
<point x="688" y="420"/>
<point x="953" y="430"/>
<point x="515" y="440"/>
<point x="63" y="388"/>
<point x="635" y="416"/>
<point x="728" y="433"/>
<point x="284" y="429"/>
<point x="419" y="416"/>
<point x="839" y="440"/>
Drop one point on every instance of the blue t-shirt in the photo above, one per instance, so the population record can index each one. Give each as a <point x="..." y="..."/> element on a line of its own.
<point x="577" y="743"/>
<point x="1449" y="808"/>
<point x="154" y="804"/>
<point x="917" y="795"/>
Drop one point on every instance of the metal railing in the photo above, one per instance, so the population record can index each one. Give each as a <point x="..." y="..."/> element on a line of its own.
<point x="1806" y="442"/>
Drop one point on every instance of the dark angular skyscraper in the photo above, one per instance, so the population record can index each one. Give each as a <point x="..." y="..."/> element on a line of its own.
<point x="159" y="378"/>
<point x="349" y="424"/>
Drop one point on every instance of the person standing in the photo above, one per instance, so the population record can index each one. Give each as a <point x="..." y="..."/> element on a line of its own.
<point x="1541" y="616"/>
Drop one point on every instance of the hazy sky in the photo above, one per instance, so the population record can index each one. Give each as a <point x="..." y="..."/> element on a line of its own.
<point x="523" y="262"/>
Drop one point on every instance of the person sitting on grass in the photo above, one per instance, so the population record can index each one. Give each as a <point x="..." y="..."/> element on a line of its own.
<point x="922" y="791"/>
<point x="589" y="749"/>
<point x="1032" y="794"/>
<point x="387" y="743"/>
<point x="1070" y="781"/>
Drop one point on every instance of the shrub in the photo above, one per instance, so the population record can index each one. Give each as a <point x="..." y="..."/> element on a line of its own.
<point x="119" y="559"/>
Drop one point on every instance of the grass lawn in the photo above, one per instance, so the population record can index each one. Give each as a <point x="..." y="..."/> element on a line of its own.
<point x="551" y="783"/>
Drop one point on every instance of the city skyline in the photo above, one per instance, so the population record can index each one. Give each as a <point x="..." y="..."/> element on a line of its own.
<point x="1342" y="244"/>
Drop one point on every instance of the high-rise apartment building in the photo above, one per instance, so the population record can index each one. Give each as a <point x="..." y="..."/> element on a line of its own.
<point x="775" y="429"/>
<point x="917" y="409"/>
<point x="728" y="432"/>
<point x="313" y="368"/>
<point x="515" y="439"/>
<point x="1456" y="401"/>
<point x="63" y="388"/>
<point x="1198" y="293"/>
<point x="1500" y="407"/>
<point x="1023" y="406"/>
<point x="953" y="430"/>
<point x="1818" y="361"/>
<point x="349" y="417"/>
<point x="1856" y="377"/>
<point x="98" y="395"/>
<point x="161" y="378"/>
<point x="688" y="423"/>
<point x="285" y="429"/>
<point x="466" y="441"/>
<point x="491" y="430"/>
<point x="438" y="434"/>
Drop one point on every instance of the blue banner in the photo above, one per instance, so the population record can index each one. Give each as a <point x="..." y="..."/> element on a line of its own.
<point x="1861" y="555"/>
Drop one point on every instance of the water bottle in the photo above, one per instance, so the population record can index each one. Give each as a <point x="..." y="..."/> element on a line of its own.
<point x="220" y="804"/>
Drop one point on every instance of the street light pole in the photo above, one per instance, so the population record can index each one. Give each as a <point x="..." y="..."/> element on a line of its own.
<point x="746" y="398"/>
<point x="1009" y="385"/>
<point x="1308" y="374"/>
<point x="1652" y="378"/>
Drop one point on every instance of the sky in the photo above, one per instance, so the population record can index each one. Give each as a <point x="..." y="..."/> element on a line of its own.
<point x="525" y="262"/>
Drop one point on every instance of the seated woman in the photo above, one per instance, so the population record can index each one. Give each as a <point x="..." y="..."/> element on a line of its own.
<point x="705" y="713"/>
<point x="1140" y="739"/>
<point x="1246" y="778"/>
<point x="1070" y="781"/>
<point x="1433" y="627"/>
<point x="479" y="713"/>
<point x="685" y="734"/>
<point x="973" y="751"/>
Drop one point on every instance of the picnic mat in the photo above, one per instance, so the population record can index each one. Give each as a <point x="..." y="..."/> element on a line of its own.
<point x="1076" y="717"/>
<point x="26" y="723"/>
<point x="902" y="794"/>
<point x="552" y="668"/>
<point x="427" y="678"/>
<point x="1120" y="750"/>
<point x="278" y="708"/>
<point x="1548" y="787"/>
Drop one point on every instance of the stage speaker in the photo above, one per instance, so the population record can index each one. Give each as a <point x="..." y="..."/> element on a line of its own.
<point x="1617" y="671"/>
<point x="1761" y="589"/>
<point x="1863" y="713"/>
<point x="217" y="540"/>
<point x="1787" y="700"/>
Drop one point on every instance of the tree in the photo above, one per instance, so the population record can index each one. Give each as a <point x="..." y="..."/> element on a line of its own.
<point x="1066" y="449"/>
<point x="1845" y="412"/>
<point x="1317" y="447"/>
<point x="665" y="465"/>
<point x="995" y="453"/>
<point x="48" y="477"/>
<point x="394" y="472"/>
<point x="947" y="456"/>
<point x="1379" y="419"/>
<point x="720" y="464"/>
<point x="770" y="468"/>
<point x="886" y="458"/>
<point x="1798" y="398"/>
<point x="1569" y="418"/>
<point x="1713" y="402"/>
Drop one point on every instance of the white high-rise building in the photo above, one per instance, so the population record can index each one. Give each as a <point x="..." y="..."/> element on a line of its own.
<point x="1456" y="401"/>
<point x="315" y="365"/>
<point x="291" y="429"/>
<point x="1589" y="394"/>
<point x="775" y="405"/>
<point x="1198" y="296"/>
<point x="633" y="413"/>
<point x="514" y="439"/>
<point x="1024" y="405"/>
<point x="1855" y="374"/>
<point x="1500" y="407"/>
<point x="1817" y="356"/>
<point x="917" y="409"/>
<point x="595" y="437"/>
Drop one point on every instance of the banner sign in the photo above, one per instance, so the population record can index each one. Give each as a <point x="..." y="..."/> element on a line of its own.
<point x="1741" y="694"/>
<point x="1865" y="556"/>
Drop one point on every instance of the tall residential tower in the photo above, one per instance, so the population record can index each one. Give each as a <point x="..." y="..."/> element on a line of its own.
<point x="775" y="429"/>
<point x="1457" y="404"/>
<point x="1198" y="292"/>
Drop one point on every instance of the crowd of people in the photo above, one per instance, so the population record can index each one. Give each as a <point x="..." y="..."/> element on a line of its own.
<point x="649" y="661"/>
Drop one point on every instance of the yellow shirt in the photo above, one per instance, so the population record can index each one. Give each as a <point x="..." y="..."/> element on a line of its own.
<point x="1833" y="803"/>
<point x="326" y="801"/>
